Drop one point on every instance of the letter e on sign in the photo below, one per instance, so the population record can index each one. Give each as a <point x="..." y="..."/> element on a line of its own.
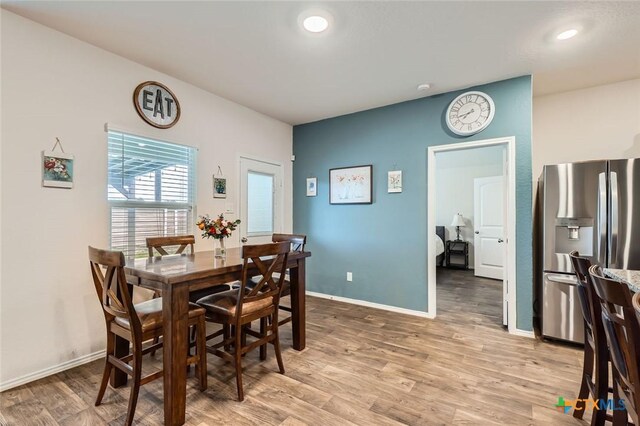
<point x="156" y="104"/>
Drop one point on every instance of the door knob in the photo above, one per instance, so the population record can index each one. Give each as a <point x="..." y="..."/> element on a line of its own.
<point x="500" y="240"/>
<point x="477" y="232"/>
<point x="244" y="239"/>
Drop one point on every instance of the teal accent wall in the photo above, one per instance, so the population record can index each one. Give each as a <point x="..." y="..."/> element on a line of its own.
<point x="384" y="244"/>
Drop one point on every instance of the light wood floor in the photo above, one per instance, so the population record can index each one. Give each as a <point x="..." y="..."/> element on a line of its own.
<point x="361" y="366"/>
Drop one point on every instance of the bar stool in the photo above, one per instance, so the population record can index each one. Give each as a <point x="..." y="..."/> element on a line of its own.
<point x="135" y="323"/>
<point x="595" y="370"/>
<point x="622" y="328"/>
<point x="237" y="308"/>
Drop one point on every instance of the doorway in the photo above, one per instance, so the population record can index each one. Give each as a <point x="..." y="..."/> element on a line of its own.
<point x="261" y="200"/>
<point x="495" y="252"/>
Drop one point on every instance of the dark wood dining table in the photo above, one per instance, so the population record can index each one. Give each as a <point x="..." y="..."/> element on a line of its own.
<point x="177" y="275"/>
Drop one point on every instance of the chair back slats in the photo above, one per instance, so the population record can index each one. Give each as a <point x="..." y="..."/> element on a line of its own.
<point x="622" y="328"/>
<point x="590" y="305"/>
<point x="160" y="244"/>
<point x="111" y="286"/>
<point x="297" y="241"/>
<point x="268" y="259"/>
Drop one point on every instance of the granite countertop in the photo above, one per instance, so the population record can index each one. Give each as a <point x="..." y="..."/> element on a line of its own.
<point x="627" y="276"/>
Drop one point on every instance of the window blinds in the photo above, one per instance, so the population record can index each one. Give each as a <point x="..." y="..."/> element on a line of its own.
<point x="151" y="190"/>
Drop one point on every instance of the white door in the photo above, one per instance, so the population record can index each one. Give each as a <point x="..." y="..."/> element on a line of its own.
<point x="261" y="200"/>
<point x="488" y="220"/>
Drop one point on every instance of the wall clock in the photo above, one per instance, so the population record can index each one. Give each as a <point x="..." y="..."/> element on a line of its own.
<point x="470" y="113"/>
<point x="156" y="104"/>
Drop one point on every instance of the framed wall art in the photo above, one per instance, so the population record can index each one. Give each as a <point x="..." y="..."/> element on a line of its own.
<point x="312" y="187"/>
<point x="219" y="187"/>
<point x="394" y="181"/>
<point x="351" y="185"/>
<point x="57" y="169"/>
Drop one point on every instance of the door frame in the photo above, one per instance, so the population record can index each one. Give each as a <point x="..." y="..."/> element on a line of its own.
<point x="280" y="208"/>
<point x="510" y="235"/>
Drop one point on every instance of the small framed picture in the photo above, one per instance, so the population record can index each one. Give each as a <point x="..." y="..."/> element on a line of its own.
<point x="394" y="181"/>
<point x="57" y="169"/>
<point x="312" y="187"/>
<point x="351" y="185"/>
<point x="219" y="187"/>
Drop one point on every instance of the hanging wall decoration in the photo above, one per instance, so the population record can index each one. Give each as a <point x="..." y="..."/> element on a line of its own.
<point x="57" y="168"/>
<point x="219" y="185"/>
<point x="156" y="104"/>
<point x="351" y="185"/>
<point x="312" y="186"/>
<point x="394" y="181"/>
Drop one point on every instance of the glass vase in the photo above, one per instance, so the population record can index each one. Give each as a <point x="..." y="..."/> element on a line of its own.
<point x="220" y="251"/>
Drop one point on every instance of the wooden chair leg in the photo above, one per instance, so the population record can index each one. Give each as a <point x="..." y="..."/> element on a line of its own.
<point x="135" y="385"/>
<point x="201" y="341"/>
<point x="107" y="368"/>
<point x="156" y="340"/>
<point x="620" y="417"/>
<point x="587" y="371"/>
<point x="263" y="332"/>
<point x="237" y="347"/>
<point x="276" y="344"/>
<point x="601" y="381"/>
<point x="226" y="334"/>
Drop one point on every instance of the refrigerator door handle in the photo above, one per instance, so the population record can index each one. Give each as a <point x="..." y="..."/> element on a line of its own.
<point x="613" y="242"/>
<point x="602" y="217"/>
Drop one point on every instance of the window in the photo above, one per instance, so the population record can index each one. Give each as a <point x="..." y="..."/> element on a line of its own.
<point x="151" y="190"/>
<point x="259" y="204"/>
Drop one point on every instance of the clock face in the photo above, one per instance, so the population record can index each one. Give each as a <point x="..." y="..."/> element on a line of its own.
<point x="470" y="113"/>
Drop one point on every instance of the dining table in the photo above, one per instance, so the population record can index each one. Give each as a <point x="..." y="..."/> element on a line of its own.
<point x="175" y="276"/>
<point x="628" y="276"/>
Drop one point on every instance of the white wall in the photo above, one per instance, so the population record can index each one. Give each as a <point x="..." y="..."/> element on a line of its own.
<point x="455" y="172"/>
<point x="57" y="86"/>
<point x="600" y="122"/>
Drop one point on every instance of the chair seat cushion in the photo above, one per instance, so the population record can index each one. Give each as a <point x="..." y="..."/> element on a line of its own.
<point x="150" y="314"/>
<point x="286" y="285"/>
<point x="224" y="303"/>
<point x="196" y="295"/>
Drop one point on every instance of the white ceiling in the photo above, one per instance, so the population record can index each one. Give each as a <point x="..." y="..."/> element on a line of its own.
<point x="374" y="53"/>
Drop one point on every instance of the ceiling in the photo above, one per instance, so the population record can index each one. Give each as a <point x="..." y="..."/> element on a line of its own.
<point x="373" y="54"/>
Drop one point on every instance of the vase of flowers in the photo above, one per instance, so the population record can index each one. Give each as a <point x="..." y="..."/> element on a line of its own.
<point x="218" y="229"/>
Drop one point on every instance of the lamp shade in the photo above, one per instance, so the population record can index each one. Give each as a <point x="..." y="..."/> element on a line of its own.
<point x="458" y="220"/>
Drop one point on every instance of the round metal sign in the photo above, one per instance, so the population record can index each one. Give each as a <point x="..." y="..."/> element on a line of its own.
<point x="156" y="104"/>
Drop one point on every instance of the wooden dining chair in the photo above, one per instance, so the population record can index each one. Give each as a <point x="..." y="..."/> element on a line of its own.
<point x="622" y="328"/>
<point x="595" y="366"/>
<point x="136" y="323"/>
<point x="235" y="309"/>
<point x="297" y="243"/>
<point x="161" y="245"/>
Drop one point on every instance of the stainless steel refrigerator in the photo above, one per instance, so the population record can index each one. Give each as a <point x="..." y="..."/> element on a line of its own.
<point x="592" y="207"/>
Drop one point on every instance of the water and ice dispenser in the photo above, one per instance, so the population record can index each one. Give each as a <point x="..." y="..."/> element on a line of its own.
<point x="574" y="234"/>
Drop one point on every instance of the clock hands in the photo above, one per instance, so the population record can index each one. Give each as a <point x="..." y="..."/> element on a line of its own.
<point x="465" y="115"/>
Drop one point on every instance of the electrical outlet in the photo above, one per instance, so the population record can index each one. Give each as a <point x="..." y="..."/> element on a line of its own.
<point x="349" y="276"/>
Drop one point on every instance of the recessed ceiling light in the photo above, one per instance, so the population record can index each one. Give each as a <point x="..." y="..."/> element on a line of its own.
<point x="315" y="24"/>
<point x="565" y="35"/>
<point x="424" y="86"/>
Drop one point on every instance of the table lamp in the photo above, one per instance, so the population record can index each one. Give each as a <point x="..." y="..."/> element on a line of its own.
<point x="458" y="221"/>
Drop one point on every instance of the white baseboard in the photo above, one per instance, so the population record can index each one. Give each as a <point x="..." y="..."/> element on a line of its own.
<point x="370" y="304"/>
<point x="18" y="381"/>
<point x="524" y="333"/>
